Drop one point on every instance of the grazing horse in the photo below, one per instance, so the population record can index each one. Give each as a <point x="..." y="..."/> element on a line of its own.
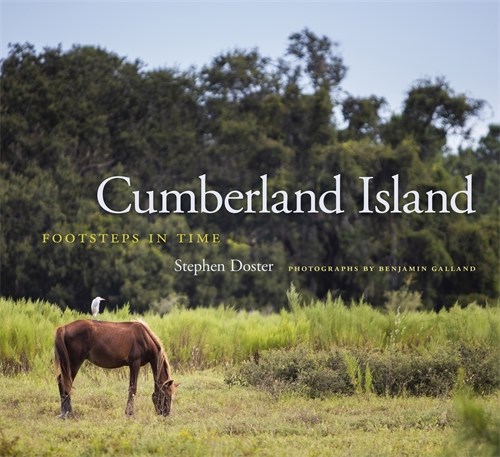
<point x="112" y="345"/>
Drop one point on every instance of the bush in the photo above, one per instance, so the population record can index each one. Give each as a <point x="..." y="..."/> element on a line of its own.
<point x="428" y="374"/>
<point x="276" y="371"/>
<point x="403" y="299"/>
<point x="349" y="371"/>
<point x="481" y="368"/>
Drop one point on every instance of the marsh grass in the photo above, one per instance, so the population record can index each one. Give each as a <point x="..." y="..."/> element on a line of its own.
<point x="208" y="337"/>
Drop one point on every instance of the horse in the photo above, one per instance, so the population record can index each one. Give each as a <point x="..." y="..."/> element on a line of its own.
<point x="112" y="345"/>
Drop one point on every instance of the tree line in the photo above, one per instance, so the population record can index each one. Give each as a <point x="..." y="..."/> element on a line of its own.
<point x="70" y="119"/>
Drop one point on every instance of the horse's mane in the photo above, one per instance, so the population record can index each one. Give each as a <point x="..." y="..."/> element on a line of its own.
<point x="162" y="360"/>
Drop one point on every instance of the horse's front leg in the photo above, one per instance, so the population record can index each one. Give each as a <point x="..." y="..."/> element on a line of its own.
<point x="132" y="389"/>
<point x="66" y="407"/>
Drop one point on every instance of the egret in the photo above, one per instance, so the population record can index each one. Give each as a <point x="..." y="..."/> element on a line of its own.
<point x="95" y="306"/>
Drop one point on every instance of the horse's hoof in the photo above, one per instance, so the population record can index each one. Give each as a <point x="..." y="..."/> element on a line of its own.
<point x="65" y="415"/>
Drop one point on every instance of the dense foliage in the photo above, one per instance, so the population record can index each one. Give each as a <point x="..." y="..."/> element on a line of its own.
<point x="69" y="119"/>
<point x="347" y="372"/>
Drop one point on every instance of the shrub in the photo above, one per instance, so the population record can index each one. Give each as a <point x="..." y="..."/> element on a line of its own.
<point x="348" y="371"/>
<point x="403" y="299"/>
<point x="481" y="369"/>
<point x="300" y="370"/>
<point x="398" y="373"/>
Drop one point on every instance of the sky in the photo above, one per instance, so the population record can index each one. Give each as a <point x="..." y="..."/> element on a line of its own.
<point x="386" y="46"/>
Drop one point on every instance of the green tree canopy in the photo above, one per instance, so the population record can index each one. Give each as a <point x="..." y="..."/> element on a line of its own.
<point x="70" y="119"/>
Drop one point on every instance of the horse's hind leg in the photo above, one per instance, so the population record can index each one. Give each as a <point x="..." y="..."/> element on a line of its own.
<point x="132" y="389"/>
<point x="66" y="406"/>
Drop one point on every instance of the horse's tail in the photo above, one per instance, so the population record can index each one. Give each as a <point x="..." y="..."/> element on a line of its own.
<point x="62" y="359"/>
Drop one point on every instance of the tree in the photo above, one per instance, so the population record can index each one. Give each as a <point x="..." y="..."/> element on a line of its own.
<point x="70" y="119"/>
<point x="317" y="59"/>
<point x="362" y="116"/>
<point x="431" y="111"/>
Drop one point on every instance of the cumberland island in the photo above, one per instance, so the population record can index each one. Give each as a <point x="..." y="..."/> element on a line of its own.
<point x="261" y="200"/>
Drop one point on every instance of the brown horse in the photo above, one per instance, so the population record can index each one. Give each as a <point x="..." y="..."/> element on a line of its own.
<point x="112" y="345"/>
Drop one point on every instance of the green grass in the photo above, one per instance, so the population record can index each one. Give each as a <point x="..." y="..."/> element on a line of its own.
<point x="211" y="419"/>
<point x="208" y="337"/>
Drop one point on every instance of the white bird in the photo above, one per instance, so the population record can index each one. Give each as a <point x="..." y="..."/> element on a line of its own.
<point x="95" y="306"/>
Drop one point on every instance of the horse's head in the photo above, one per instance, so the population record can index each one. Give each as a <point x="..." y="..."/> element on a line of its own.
<point x="163" y="397"/>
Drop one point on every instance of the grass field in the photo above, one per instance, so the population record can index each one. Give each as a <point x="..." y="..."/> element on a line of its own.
<point x="211" y="419"/>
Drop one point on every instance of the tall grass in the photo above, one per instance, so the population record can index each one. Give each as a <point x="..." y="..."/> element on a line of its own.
<point x="214" y="336"/>
<point x="332" y="322"/>
<point x="205" y="337"/>
<point x="24" y="332"/>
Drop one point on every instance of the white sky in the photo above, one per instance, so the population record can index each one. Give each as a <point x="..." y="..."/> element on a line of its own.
<point x="386" y="45"/>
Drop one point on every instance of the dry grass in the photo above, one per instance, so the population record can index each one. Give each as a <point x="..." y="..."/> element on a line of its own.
<point x="211" y="419"/>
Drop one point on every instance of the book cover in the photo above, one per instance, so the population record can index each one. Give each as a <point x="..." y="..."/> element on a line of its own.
<point x="301" y="202"/>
